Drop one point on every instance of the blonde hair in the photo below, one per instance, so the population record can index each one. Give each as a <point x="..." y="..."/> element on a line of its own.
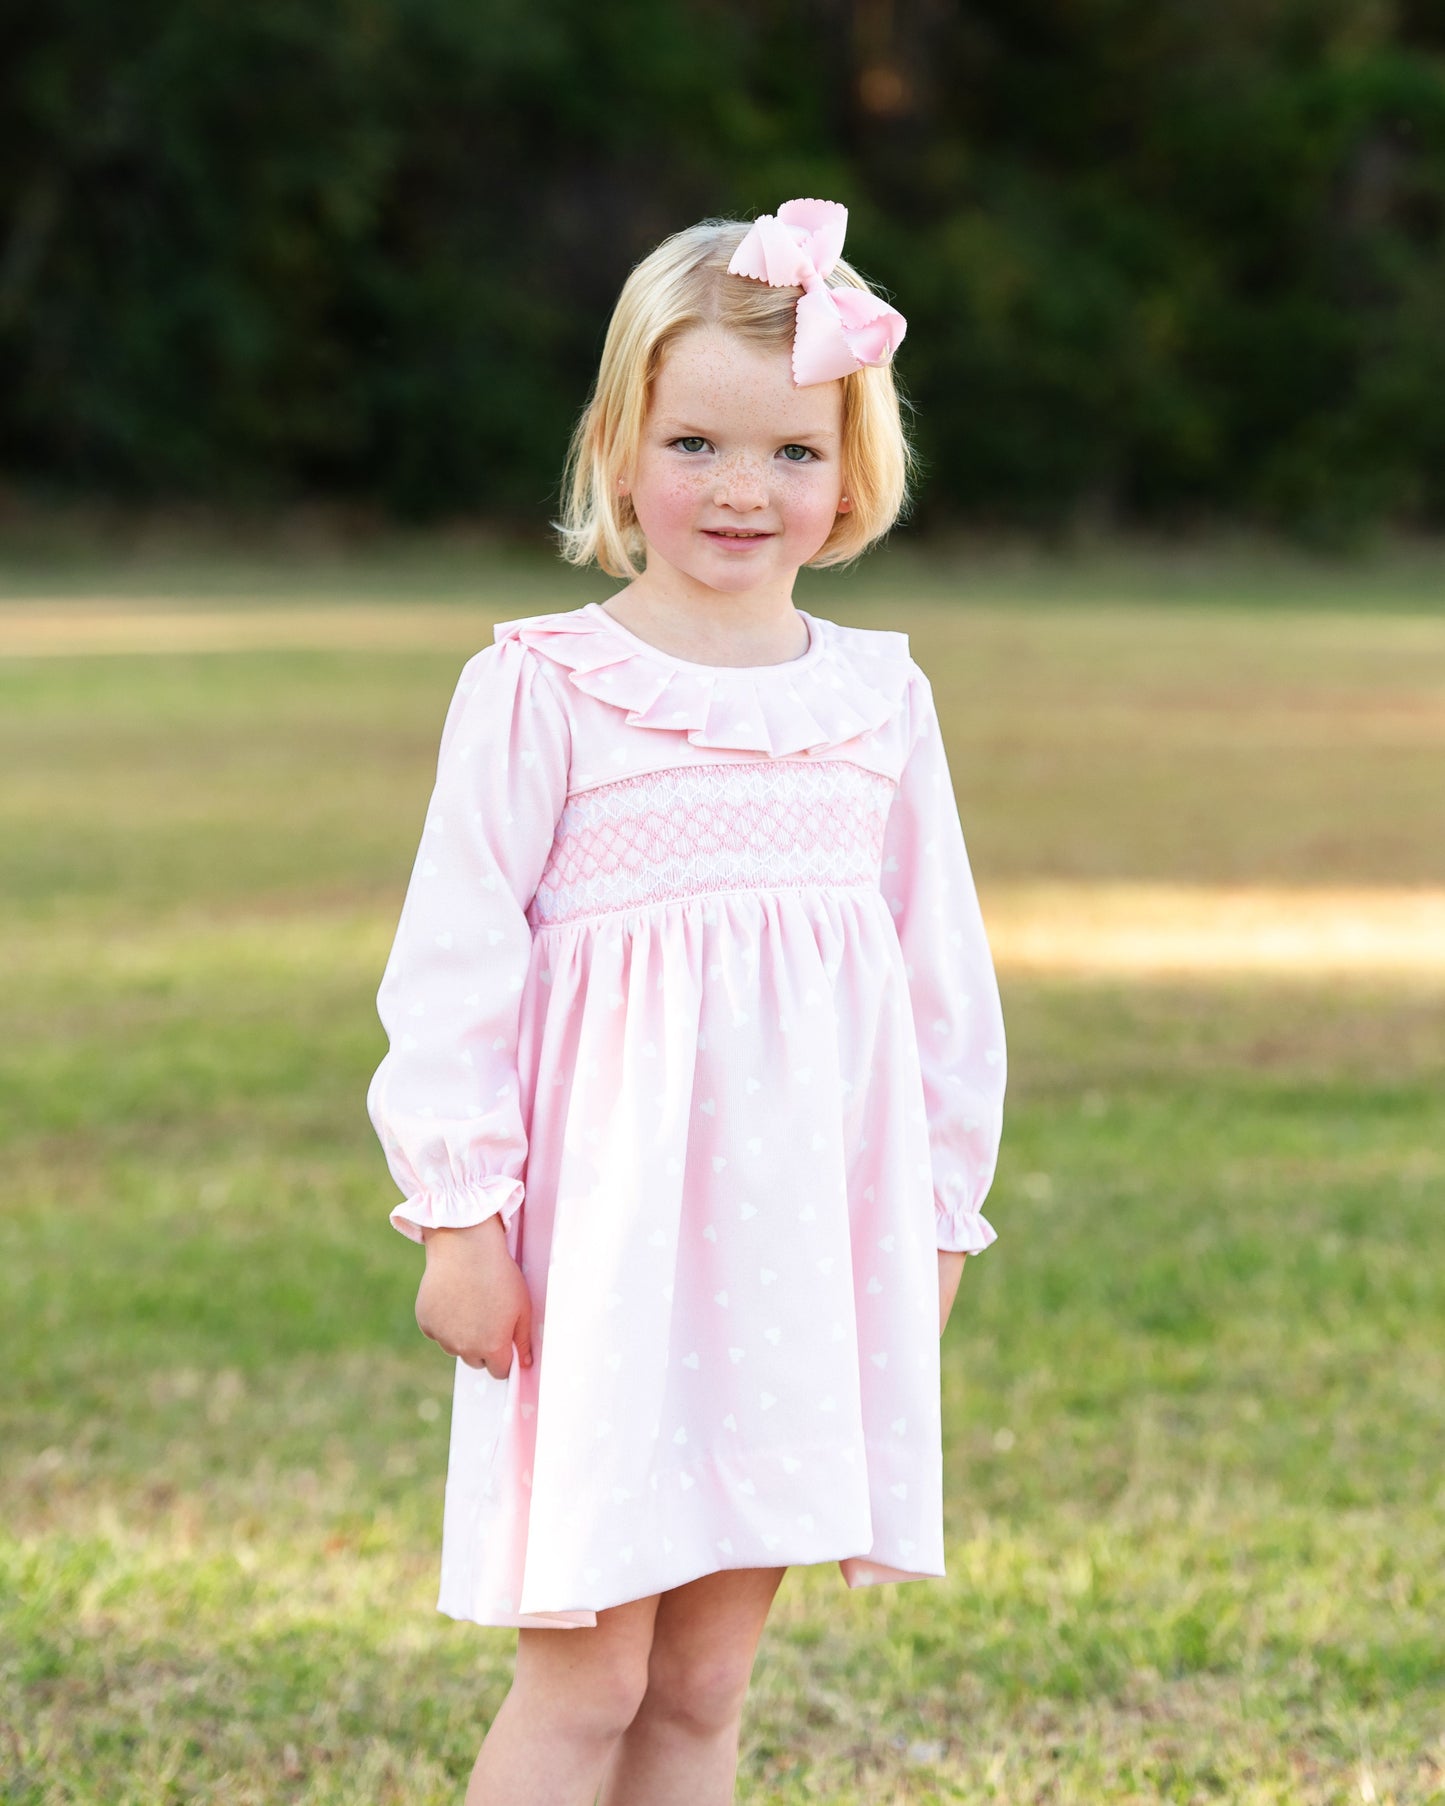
<point x="684" y="283"/>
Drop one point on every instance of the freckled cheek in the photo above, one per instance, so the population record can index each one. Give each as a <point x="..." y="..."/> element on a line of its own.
<point x="671" y="502"/>
<point x="807" y="502"/>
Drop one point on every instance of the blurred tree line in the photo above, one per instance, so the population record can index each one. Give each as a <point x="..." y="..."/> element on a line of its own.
<point x="1160" y="260"/>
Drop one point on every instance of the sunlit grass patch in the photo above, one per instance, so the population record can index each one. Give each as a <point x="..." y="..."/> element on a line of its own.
<point x="1142" y="931"/>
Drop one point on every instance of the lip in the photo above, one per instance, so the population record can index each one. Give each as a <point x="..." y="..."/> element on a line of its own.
<point x="719" y="537"/>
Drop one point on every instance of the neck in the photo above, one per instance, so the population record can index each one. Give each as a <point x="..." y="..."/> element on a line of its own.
<point x="708" y="626"/>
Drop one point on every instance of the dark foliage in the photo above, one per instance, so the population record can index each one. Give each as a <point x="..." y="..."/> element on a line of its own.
<point x="1158" y="260"/>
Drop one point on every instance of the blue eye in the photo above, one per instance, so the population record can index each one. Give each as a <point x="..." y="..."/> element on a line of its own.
<point x="788" y="451"/>
<point x="691" y="444"/>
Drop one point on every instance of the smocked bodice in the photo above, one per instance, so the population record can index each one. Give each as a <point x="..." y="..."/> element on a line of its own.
<point x="645" y="839"/>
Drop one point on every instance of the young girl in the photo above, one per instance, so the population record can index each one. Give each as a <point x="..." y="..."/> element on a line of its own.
<point x="696" y="1068"/>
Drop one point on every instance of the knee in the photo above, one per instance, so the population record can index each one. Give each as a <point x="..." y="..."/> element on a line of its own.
<point x="703" y="1692"/>
<point x="592" y="1704"/>
<point x="603" y="1709"/>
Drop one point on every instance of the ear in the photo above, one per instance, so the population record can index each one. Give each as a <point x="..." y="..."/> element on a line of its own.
<point x="845" y="504"/>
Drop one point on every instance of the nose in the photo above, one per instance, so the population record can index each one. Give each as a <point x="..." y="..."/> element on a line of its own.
<point x="739" y="485"/>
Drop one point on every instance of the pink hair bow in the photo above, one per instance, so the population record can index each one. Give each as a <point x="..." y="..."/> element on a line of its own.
<point x="838" y="329"/>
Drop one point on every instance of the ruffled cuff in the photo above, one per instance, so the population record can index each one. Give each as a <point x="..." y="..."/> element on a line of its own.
<point x="458" y="1206"/>
<point x="962" y="1230"/>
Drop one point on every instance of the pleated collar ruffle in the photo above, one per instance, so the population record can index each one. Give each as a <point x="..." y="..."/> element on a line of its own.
<point x="850" y="680"/>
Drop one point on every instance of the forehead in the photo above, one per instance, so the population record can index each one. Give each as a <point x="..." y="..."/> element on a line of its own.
<point x="711" y="376"/>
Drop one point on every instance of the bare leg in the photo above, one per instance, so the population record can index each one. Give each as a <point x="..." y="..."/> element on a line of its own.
<point x="682" y="1745"/>
<point x="573" y="1694"/>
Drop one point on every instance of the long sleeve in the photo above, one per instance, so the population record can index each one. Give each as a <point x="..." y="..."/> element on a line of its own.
<point x="445" y="1101"/>
<point x="956" y="1009"/>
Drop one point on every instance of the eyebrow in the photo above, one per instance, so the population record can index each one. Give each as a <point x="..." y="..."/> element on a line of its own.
<point x="688" y="430"/>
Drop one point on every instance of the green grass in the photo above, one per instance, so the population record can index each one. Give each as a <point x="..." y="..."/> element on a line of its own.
<point x="1195" y="1397"/>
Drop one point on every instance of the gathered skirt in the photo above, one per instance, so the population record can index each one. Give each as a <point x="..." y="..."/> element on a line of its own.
<point x="728" y="1235"/>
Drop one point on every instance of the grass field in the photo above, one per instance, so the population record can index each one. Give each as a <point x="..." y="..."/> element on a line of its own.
<point x="1195" y="1396"/>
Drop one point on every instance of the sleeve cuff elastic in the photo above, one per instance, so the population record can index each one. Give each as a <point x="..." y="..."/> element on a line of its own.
<point x="458" y="1208"/>
<point x="964" y="1231"/>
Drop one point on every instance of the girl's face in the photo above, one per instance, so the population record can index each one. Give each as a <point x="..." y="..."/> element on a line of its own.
<point x="738" y="479"/>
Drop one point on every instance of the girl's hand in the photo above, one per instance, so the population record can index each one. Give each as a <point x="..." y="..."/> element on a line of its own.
<point x="473" y="1300"/>
<point x="950" y="1271"/>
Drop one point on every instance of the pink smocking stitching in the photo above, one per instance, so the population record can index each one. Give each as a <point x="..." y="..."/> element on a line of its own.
<point x="658" y="835"/>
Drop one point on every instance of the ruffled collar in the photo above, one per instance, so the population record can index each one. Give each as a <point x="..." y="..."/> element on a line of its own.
<point x="850" y="680"/>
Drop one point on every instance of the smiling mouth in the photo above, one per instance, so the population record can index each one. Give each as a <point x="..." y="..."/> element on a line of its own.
<point x="734" y="533"/>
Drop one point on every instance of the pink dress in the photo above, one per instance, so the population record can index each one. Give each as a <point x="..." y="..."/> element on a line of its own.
<point x="691" y="985"/>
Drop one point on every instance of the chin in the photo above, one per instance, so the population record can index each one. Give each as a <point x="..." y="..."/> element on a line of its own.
<point x="732" y="582"/>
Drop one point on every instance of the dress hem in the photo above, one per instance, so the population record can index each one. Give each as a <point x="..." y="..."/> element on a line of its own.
<point x="866" y="1572"/>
